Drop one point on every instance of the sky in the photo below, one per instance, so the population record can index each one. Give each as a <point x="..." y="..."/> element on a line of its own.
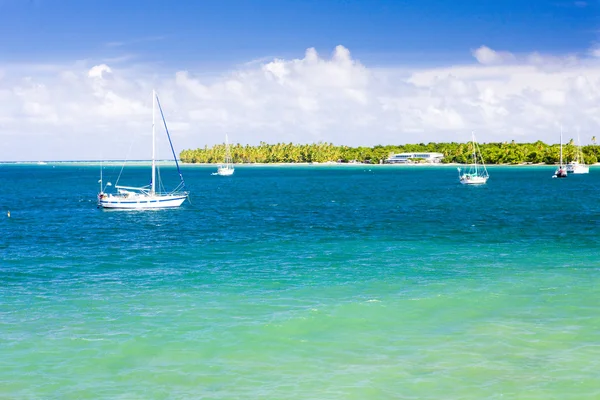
<point x="76" y="77"/>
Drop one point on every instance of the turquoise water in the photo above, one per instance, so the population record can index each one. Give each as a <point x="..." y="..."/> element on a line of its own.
<point x="302" y="283"/>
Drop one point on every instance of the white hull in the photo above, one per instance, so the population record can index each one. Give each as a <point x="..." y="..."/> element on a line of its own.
<point x="585" y="170"/>
<point x="141" y="202"/>
<point x="225" y="171"/>
<point x="578" y="169"/>
<point x="473" y="180"/>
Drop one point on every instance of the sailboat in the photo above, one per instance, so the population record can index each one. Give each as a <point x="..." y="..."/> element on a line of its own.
<point x="145" y="197"/>
<point x="477" y="173"/>
<point x="561" y="172"/>
<point x="578" y="166"/>
<point x="226" y="169"/>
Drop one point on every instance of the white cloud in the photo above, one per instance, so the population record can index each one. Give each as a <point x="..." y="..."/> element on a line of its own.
<point x="98" y="70"/>
<point x="90" y="110"/>
<point x="487" y="56"/>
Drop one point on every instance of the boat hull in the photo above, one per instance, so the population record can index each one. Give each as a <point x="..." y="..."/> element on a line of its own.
<point x="142" y="202"/>
<point x="579" y="169"/>
<point x="560" y="173"/>
<point x="474" y="180"/>
<point x="225" y="172"/>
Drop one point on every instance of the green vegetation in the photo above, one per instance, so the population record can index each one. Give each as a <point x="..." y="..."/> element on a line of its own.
<point x="493" y="153"/>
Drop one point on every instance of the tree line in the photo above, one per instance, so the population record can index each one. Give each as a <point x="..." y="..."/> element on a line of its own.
<point x="493" y="153"/>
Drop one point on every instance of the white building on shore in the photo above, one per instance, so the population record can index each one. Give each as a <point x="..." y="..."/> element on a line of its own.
<point x="412" y="158"/>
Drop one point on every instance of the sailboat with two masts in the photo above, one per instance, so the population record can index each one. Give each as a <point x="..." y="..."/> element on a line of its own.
<point x="226" y="169"/>
<point x="561" y="172"/>
<point x="476" y="174"/>
<point x="145" y="197"/>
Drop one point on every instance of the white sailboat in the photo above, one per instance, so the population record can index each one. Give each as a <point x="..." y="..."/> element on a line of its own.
<point x="561" y="172"/>
<point x="476" y="174"/>
<point x="145" y="197"/>
<point x="578" y="166"/>
<point x="226" y="169"/>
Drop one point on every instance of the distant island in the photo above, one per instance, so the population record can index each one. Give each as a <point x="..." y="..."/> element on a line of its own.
<point x="493" y="153"/>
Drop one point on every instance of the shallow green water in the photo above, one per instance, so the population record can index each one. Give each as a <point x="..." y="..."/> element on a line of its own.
<point x="304" y="283"/>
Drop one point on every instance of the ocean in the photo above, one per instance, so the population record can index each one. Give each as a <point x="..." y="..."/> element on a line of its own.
<point x="301" y="282"/>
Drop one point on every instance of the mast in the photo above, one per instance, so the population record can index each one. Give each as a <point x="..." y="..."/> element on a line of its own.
<point x="474" y="152"/>
<point x="227" y="155"/>
<point x="162" y="115"/>
<point x="153" y="185"/>
<point x="100" y="176"/>
<point x="561" y="162"/>
<point x="579" y="152"/>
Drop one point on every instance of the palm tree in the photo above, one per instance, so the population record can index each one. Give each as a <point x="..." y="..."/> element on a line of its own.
<point x="507" y="152"/>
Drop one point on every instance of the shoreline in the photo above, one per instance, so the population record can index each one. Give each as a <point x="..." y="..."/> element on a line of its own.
<point x="325" y="164"/>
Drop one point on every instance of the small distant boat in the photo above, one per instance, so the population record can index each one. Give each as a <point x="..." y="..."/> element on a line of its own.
<point x="476" y="174"/>
<point x="146" y="197"/>
<point x="574" y="167"/>
<point x="226" y="169"/>
<point x="578" y="166"/>
<point x="561" y="172"/>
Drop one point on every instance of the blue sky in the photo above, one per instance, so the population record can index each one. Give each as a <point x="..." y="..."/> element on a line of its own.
<point x="230" y="31"/>
<point x="75" y="76"/>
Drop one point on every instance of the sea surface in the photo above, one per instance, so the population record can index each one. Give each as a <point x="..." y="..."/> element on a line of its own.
<point x="314" y="282"/>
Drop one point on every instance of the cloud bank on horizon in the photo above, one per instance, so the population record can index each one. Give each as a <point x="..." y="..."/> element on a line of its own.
<point x="93" y="111"/>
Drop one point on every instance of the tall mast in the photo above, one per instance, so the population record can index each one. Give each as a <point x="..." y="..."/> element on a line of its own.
<point x="227" y="155"/>
<point x="561" y="163"/>
<point x="153" y="185"/>
<point x="579" y="159"/>
<point x="474" y="151"/>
